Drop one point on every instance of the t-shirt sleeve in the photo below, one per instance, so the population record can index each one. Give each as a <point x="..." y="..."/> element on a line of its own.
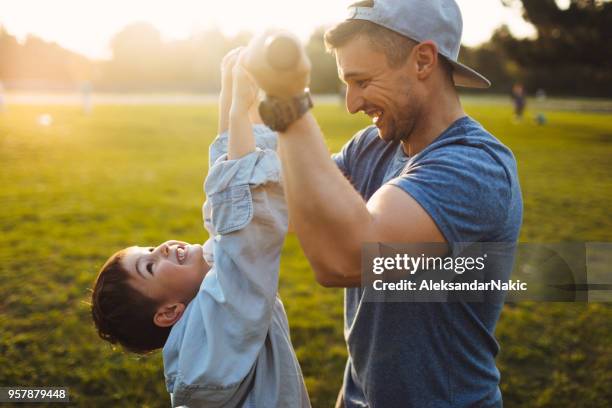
<point x="344" y="158"/>
<point x="341" y="158"/>
<point x="464" y="190"/>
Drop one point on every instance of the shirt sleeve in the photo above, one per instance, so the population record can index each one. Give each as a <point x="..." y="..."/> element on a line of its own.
<point x="340" y="160"/>
<point x="265" y="139"/>
<point x="229" y="319"/>
<point x="463" y="189"/>
<point x="346" y="156"/>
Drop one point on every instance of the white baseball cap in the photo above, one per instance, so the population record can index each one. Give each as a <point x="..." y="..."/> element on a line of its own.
<point x="421" y="20"/>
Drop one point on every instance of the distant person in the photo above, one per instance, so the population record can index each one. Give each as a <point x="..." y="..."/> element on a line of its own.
<point x="519" y="100"/>
<point x="86" y="97"/>
<point x="214" y="308"/>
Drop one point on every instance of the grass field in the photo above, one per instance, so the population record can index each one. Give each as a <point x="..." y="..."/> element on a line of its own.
<point x="75" y="191"/>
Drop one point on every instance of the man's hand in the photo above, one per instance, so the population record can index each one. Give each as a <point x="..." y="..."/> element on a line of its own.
<point x="283" y="83"/>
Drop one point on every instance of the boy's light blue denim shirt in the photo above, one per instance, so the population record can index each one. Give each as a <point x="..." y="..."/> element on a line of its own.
<point x="232" y="348"/>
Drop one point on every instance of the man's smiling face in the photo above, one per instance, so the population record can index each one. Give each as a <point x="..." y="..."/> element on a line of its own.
<point x="385" y="94"/>
<point x="170" y="272"/>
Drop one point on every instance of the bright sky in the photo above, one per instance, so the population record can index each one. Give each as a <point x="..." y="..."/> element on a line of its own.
<point x="86" y="26"/>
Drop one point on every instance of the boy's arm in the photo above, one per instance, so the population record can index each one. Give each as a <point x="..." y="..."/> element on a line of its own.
<point x="218" y="341"/>
<point x="229" y="319"/>
<point x="244" y="94"/>
<point x="225" y="96"/>
<point x="225" y="101"/>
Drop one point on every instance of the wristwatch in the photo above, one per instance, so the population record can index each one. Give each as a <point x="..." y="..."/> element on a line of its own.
<point x="279" y="113"/>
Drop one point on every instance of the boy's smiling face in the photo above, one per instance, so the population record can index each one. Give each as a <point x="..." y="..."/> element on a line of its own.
<point x="169" y="273"/>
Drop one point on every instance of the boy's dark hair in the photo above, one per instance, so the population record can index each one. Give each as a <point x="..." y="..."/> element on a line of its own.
<point x="121" y="313"/>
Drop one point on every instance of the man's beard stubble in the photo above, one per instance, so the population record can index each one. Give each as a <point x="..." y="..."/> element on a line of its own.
<point x="399" y="130"/>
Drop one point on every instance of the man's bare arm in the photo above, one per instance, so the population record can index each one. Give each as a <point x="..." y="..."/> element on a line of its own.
<point x="331" y="219"/>
<point x="329" y="216"/>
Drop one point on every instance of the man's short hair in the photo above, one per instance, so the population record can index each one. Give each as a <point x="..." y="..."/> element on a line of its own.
<point x="395" y="46"/>
<point x="121" y="313"/>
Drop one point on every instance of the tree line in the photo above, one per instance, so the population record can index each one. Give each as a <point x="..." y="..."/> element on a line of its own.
<point x="571" y="55"/>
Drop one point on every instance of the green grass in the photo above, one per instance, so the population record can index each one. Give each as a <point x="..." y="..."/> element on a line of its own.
<point x="76" y="191"/>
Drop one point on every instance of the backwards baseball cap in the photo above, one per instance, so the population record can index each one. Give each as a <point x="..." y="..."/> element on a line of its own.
<point x="421" y="20"/>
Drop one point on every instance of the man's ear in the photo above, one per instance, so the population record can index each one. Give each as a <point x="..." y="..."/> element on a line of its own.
<point x="426" y="58"/>
<point x="168" y="314"/>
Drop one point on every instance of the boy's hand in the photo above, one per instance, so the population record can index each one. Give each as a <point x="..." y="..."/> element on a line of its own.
<point x="244" y="95"/>
<point x="227" y="65"/>
<point x="245" y="90"/>
<point x="225" y="97"/>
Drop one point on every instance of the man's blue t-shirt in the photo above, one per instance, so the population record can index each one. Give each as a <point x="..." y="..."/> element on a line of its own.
<point x="432" y="354"/>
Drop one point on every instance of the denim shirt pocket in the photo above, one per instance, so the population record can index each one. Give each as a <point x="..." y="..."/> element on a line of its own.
<point x="232" y="209"/>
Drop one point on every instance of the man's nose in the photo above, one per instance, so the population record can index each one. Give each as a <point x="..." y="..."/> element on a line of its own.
<point x="354" y="99"/>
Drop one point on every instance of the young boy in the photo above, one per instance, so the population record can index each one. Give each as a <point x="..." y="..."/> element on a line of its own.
<point x="223" y="329"/>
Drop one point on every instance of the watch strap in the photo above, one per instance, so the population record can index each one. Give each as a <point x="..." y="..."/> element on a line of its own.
<point x="279" y="113"/>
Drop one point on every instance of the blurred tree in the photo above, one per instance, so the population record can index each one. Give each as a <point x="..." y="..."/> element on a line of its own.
<point x="37" y="62"/>
<point x="324" y="76"/>
<point x="143" y="62"/>
<point x="210" y="46"/>
<point x="574" y="40"/>
<point x="135" y="41"/>
<point x="137" y="58"/>
<point x="9" y="50"/>
<point x="490" y="59"/>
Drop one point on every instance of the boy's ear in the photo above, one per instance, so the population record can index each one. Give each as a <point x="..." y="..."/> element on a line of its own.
<point x="168" y="314"/>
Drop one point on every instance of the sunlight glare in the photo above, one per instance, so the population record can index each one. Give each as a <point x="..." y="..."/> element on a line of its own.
<point x="87" y="26"/>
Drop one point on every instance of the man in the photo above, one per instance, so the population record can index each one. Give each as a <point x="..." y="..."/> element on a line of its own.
<point x="425" y="172"/>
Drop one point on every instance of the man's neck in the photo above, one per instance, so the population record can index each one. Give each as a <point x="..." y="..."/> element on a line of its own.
<point x="442" y="110"/>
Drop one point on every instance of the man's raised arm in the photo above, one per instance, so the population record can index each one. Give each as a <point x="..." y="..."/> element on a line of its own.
<point x="329" y="216"/>
<point x="331" y="219"/>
